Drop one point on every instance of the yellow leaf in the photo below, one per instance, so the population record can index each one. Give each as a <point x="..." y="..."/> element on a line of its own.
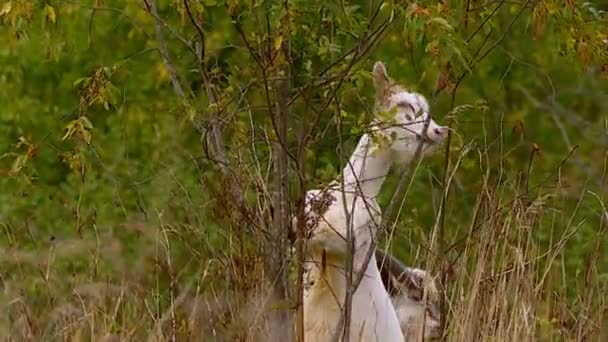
<point x="18" y="164"/>
<point x="6" y="9"/>
<point x="162" y="73"/>
<point x="190" y="111"/>
<point x="49" y="13"/>
<point x="69" y="129"/>
<point x="552" y="8"/>
<point x="86" y="123"/>
<point x="278" y="42"/>
<point x="86" y="136"/>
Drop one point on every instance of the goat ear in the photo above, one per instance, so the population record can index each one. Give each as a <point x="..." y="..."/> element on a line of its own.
<point x="380" y="76"/>
<point x="414" y="282"/>
<point x="381" y="83"/>
<point x="414" y="279"/>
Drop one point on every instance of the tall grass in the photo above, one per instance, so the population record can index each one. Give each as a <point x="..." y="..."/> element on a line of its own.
<point x="505" y="265"/>
<point x="508" y="286"/>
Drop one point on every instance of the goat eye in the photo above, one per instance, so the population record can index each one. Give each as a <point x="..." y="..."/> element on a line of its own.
<point x="416" y="295"/>
<point x="406" y="105"/>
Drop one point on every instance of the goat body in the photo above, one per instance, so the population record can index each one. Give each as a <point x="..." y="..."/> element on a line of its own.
<point x="373" y="317"/>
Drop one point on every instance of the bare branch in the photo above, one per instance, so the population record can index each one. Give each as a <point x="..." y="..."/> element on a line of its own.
<point x="281" y="221"/>
<point x="150" y="6"/>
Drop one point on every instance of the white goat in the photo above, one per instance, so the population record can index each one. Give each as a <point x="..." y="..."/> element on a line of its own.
<point x="417" y="312"/>
<point x="348" y="207"/>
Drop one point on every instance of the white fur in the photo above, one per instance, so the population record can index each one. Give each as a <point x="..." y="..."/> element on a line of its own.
<point x="417" y="101"/>
<point x="373" y="316"/>
<point x="414" y="315"/>
<point x="408" y="126"/>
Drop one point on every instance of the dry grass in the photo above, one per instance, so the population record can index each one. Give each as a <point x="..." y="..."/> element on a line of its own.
<point x="507" y="287"/>
<point x="508" y="276"/>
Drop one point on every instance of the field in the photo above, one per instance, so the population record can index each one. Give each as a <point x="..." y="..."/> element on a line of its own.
<point x="152" y="156"/>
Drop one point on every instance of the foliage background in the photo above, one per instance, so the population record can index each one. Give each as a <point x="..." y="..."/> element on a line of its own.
<point x="116" y="219"/>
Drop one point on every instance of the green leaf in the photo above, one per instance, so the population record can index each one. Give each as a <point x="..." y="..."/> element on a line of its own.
<point x="84" y="81"/>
